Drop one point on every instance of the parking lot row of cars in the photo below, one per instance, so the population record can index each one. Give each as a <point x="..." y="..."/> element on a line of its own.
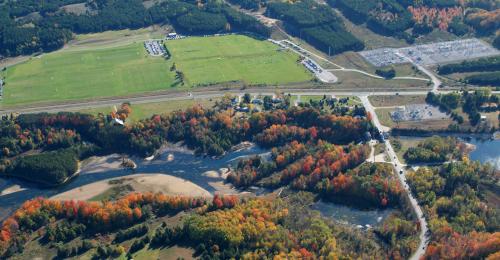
<point x="154" y="48"/>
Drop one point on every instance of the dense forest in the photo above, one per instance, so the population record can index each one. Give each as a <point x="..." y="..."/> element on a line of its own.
<point x="496" y="41"/>
<point x="435" y="149"/>
<point x="387" y="17"/>
<point x="51" y="168"/>
<point x="223" y="228"/>
<point x="332" y="171"/>
<point x="22" y="32"/>
<point x="462" y="218"/>
<point x="487" y="71"/>
<point x="411" y="19"/>
<point x="484" y="79"/>
<point x="316" y="24"/>
<point x="483" y="64"/>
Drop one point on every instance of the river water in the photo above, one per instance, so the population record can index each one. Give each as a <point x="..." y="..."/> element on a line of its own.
<point x="352" y="216"/>
<point x="487" y="151"/>
<point x="184" y="165"/>
<point x="190" y="167"/>
<point x="178" y="162"/>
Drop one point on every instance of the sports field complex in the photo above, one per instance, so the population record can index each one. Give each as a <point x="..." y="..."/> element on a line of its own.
<point x="105" y="71"/>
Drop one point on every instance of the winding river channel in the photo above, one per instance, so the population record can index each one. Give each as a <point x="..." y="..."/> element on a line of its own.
<point x="182" y="163"/>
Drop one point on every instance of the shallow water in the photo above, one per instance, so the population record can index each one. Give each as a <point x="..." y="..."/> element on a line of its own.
<point x="184" y="165"/>
<point x="352" y="216"/>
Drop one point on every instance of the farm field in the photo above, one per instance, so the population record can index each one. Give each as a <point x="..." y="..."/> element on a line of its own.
<point x="210" y="60"/>
<point x="71" y="75"/>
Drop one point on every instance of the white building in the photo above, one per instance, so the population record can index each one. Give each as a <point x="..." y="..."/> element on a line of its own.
<point x="171" y="35"/>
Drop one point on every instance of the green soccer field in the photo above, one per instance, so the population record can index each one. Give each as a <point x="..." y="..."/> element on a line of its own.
<point x="106" y="71"/>
<point x="207" y="60"/>
<point x="70" y="75"/>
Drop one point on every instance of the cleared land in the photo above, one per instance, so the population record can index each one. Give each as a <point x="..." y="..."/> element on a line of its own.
<point x="99" y="65"/>
<point x="37" y="248"/>
<point x="141" y="111"/>
<point x="116" y="38"/>
<point x="371" y="39"/>
<point x="357" y="81"/>
<point x="210" y="60"/>
<point x="384" y="115"/>
<point x="70" y="75"/>
<point x="400" y="100"/>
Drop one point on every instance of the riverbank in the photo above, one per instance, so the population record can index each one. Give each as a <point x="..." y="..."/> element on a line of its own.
<point x="137" y="182"/>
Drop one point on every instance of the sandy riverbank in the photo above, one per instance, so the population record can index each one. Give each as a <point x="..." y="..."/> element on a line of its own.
<point x="101" y="163"/>
<point x="138" y="182"/>
<point x="11" y="189"/>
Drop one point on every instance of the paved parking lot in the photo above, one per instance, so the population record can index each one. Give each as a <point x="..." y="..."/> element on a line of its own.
<point x="417" y="112"/>
<point x="155" y="48"/>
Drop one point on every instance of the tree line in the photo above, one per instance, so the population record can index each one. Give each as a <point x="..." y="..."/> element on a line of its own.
<point x="55" y="27"/>
<point x="484" y="79"/>
<point x="435" y="149"/>
<point x="94" y="217"/>
<point x="225" y="228"/>
<point x="483" y="64"/>
<point x="470" y="103"/>
<point x="316" y="24"/>
<point x="386" y="17"/>
<point x="409" y="20"/>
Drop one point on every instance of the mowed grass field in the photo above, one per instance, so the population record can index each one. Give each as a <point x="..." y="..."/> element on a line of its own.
<point x="83" y="74"/>
<point x="146" y="110"/>
<point x="206" y="60"/>
<point x="98" y="65"/>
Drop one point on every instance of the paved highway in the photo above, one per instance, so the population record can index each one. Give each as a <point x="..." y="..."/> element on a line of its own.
<point x="196" y="94"/>
<point x="400" y="172"/>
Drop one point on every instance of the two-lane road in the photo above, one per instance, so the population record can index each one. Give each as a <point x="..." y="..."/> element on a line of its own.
<point x="196" y="94"/>
<point x="400" y="172"/>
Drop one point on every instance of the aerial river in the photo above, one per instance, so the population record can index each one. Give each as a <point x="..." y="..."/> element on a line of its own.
<point x="174" y="161"/>
<point x="487" y="151"/>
